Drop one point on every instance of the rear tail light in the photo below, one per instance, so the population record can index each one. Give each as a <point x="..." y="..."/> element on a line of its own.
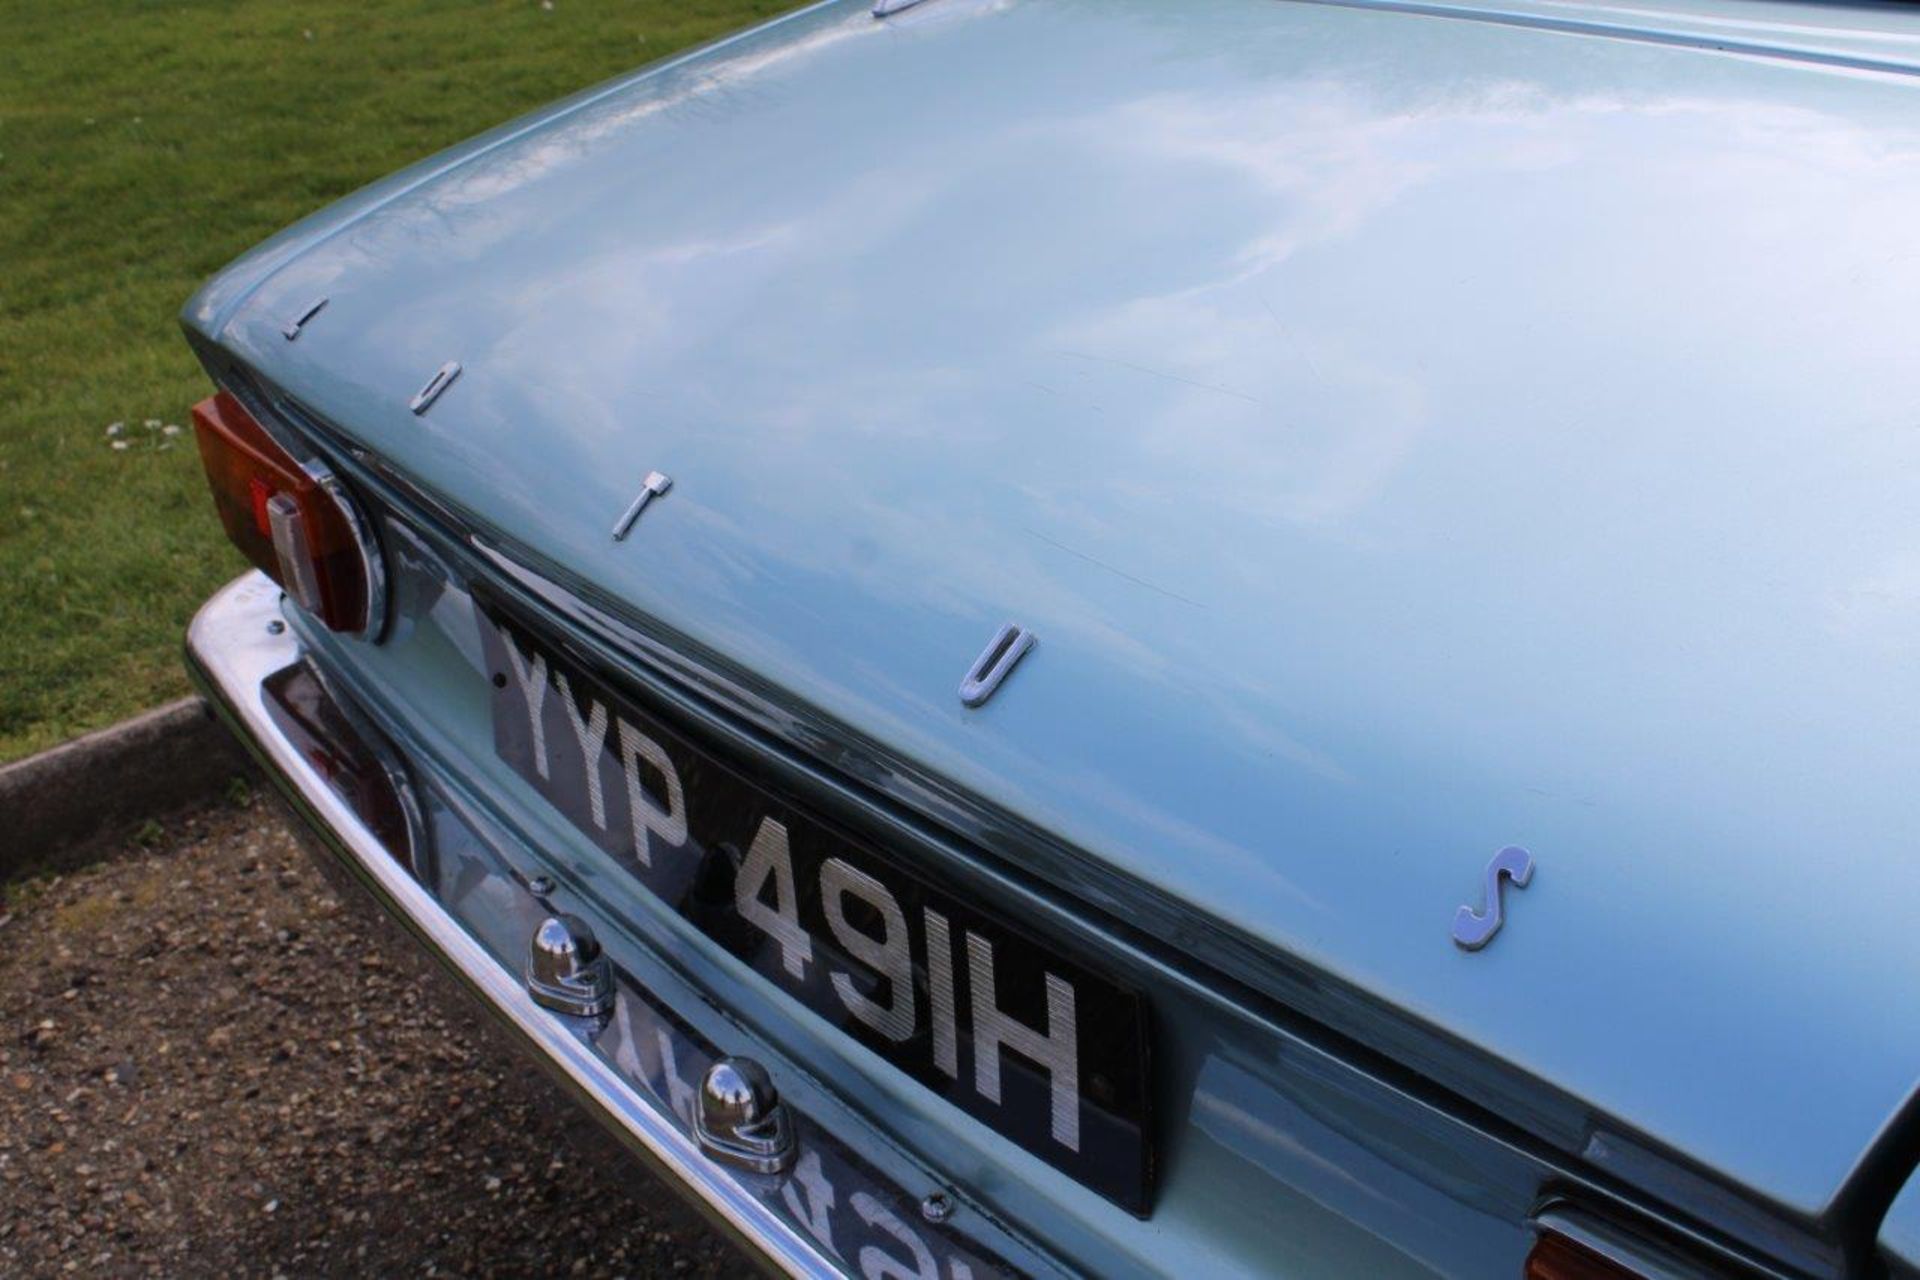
<point x="1573" y="1243"/>
<point x="293" y="521"/>
<point x="1554" y="1257"/>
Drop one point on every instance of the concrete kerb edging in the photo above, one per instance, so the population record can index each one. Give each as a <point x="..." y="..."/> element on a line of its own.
<point x="73" y="804"/>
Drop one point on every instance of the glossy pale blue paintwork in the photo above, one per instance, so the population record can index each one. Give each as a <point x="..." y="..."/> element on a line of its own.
<point x="1408" y="435"/>
<point x="1279" y="1158"/>
<point x="1900" y="1234"/>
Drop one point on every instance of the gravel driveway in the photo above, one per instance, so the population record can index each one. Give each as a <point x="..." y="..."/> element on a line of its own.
<point x="207" y="1067"/>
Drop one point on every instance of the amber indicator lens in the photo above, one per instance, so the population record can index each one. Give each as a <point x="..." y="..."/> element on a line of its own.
<point x="1555" y="1257"/>
<point x="280" y="517"/>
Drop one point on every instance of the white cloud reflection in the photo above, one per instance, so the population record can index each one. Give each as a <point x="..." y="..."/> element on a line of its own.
<point x="1379" y="451"/>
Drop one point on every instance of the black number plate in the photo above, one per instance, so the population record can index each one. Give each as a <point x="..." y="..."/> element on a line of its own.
<point x="1034" y="1043"/>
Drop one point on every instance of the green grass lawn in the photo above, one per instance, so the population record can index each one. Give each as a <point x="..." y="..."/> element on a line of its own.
<point x="142" y="146"/>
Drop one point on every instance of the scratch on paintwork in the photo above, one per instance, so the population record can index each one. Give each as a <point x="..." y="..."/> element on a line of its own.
<point x="1292" y="341"/>
<point x="1101" y="564"/>
<point x="1583" y="801"/>
<point x="1161" y="373"/>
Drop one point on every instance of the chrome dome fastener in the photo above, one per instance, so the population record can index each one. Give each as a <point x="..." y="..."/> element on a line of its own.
<point x="739" y="1119"/>
<point x="565" y="970"/>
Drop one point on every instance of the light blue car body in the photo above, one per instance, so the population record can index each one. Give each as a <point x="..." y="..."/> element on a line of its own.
<point x="1410" y="429"/>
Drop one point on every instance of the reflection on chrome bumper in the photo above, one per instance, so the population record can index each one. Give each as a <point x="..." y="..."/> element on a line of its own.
<point x="638" y="1067"/>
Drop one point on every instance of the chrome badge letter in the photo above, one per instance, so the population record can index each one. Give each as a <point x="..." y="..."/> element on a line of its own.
<point x="1472" y="929"/>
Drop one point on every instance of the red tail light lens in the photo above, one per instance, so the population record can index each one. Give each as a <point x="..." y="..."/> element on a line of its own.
<point x="293" y="525"/>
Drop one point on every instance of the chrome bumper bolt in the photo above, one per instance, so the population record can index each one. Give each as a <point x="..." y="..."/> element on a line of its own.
<point x="565" y="970"/>
<point x="741" y="1121"/>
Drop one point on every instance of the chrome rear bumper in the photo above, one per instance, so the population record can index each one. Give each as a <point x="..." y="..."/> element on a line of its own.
<point x="239" y="642"/>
